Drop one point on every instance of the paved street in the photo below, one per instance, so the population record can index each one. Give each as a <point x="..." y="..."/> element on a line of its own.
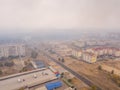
<point x="87" y="81"/>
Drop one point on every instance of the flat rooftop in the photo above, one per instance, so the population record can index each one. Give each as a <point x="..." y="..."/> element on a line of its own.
<point x="12" y="83"/>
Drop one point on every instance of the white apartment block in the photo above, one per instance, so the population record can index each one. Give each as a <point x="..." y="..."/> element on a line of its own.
<point x="76" y="53"/>
<point x="12" y="50"/>
<point x="117" y="53"/>
<point x="89" y="57"/>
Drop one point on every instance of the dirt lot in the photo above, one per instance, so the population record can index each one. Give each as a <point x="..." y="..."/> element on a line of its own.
<point x="79" y="84"/>
<point x="91" y="71"/>
<point x="112" y="63"/>
<point x="111" y="69"/>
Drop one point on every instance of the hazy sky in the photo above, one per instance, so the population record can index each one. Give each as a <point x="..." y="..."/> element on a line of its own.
<point x="31" y="15"/>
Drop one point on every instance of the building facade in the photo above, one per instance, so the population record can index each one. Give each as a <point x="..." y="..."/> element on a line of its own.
<point x="89" y="57"/>
<point x="77" y="53"/>
<point x="12" y="50"/>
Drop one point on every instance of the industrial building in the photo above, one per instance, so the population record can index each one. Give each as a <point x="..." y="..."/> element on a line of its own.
<point x="29" y="79"/>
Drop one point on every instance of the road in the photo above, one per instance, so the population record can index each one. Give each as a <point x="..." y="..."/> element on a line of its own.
<point x="13" y="84"/>
<point x="87" y="81"/>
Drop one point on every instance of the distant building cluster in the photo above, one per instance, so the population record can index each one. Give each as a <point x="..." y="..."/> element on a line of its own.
<point x="91" y="55"/>
<point x="91" y="43"/>
<point x="85" y="43"/>
<point x="101" y="51"/>
<point x="12" y="50"/>
<point x="88" y="50"/>
<point x="84" y="55"/>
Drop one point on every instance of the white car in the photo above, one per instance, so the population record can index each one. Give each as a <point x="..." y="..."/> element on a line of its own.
<point x="19" y="80"/>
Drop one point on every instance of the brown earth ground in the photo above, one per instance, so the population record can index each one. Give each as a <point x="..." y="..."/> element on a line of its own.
<point x="91" y="72"/>
<point x="76" y="82"/>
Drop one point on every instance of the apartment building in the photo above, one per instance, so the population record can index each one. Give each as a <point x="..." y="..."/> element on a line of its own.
<point x="77" y="53"/>
<point x="89" y="57"/>
<point x="96" y="51"/>
<point x="117" y="53"/>
<point x="104" y="51"/>
<point x="12" y="50"/>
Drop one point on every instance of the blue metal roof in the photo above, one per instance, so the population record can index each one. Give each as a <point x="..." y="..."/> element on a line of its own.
<point x="39" y="64"/>
<point x="53" y="85"/>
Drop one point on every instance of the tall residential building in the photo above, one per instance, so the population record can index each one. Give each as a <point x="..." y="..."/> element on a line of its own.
<point x="12" y="50"/>
<point x="89" y="57"/>
<point x="77" y="53"/>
